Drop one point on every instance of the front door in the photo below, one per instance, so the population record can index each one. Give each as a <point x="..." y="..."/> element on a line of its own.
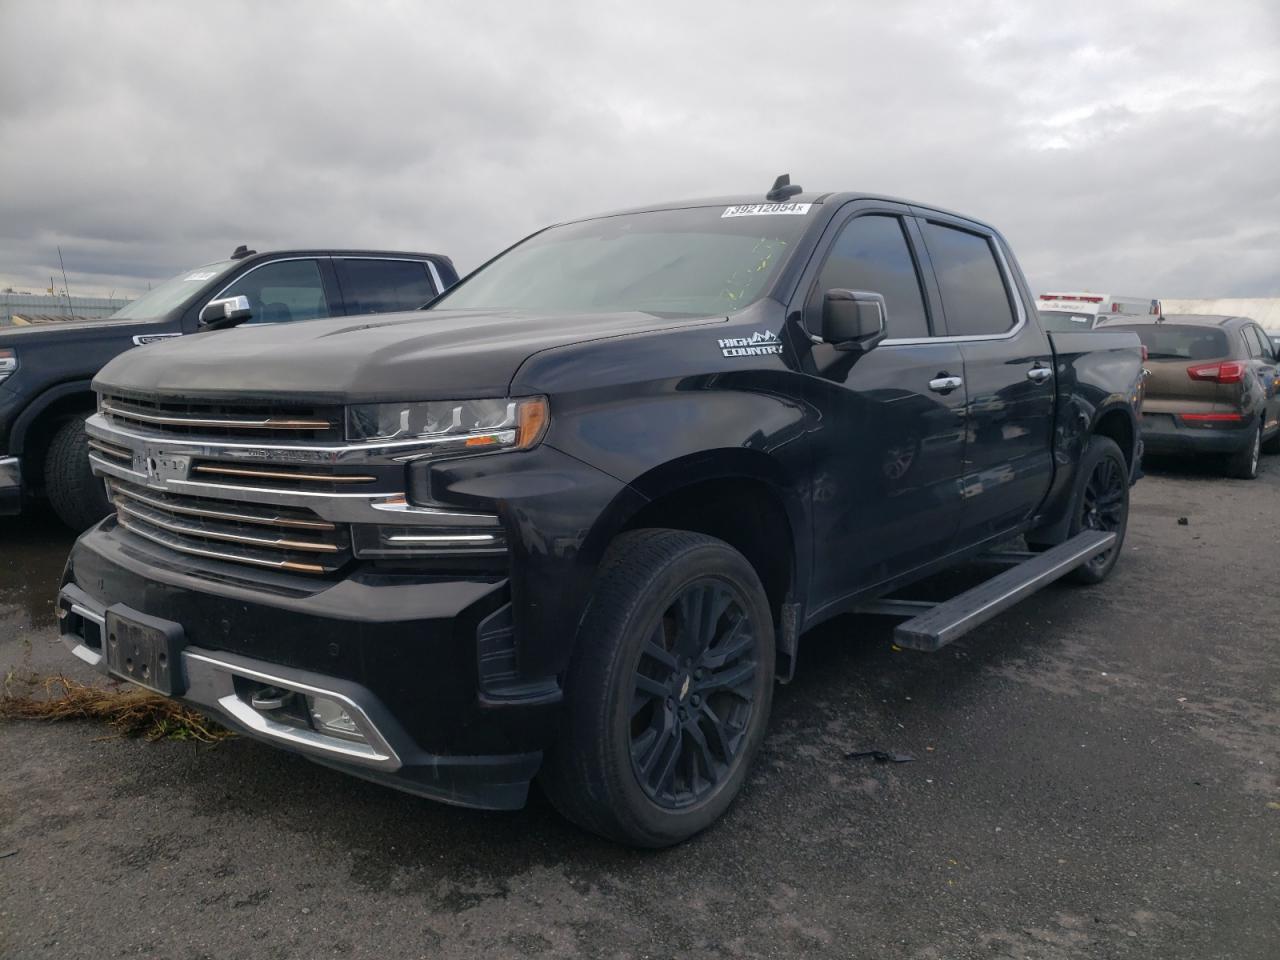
<point x="1008" y="373"/>
<point x="887" y="458"/>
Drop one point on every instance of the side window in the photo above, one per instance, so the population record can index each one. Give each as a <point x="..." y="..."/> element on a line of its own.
<point x="282" y="292"/>
<point x="1258" y="345"/>
<point x="871" y="253"/>
<point x="376" y="286"/>
<point x="972" y="287"/>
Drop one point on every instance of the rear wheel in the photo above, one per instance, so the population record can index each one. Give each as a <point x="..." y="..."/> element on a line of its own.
<point x="77" y="496"/>
<point x="1102" y="503"/>
<point x="668" y="696"/>
<point x="1244" y="465"/>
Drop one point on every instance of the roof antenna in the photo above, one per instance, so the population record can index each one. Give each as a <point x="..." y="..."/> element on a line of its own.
<point x="241" y="252"/>
<point x="782" y="189"/>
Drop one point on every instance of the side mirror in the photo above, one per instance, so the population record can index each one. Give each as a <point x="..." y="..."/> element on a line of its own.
<point x="853" y="319"/>
<point x="228" y="308"/>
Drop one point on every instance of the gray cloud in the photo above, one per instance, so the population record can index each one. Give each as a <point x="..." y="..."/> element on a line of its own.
<point x="1123" y="147"/>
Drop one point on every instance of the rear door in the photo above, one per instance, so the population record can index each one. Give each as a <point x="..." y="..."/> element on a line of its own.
<point x="384" y="285"/>
<point x="886" y="492"/>
<point x="1008" y="373"/>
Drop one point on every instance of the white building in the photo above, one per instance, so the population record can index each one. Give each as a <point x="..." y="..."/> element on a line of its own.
<point x="1265" y="310"/>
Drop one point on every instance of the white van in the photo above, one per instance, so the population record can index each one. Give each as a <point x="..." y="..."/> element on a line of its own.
<point x="1084" y="311"/>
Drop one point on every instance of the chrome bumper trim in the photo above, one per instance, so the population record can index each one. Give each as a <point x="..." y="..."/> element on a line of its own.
<point x="10" y="472"/>
<point x="210" y="683"/>
<point x="211" y="687"/>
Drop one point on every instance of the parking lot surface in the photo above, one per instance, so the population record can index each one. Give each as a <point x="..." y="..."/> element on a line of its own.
<point x="1097" y="774"/>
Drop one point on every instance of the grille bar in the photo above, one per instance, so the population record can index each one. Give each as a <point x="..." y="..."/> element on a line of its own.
<point x="254" y="420"/>
<point x="113" y="408"/>
<point x="266" y="519"/>
<point x="256" y="473"/>
<point x="111" y="450"/>
<point x="284" y="538"/>
<point x="185" y="527"/>
<point x="173" y="543"/>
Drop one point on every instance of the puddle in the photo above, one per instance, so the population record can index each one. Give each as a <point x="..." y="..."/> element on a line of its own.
<point x="33" y="550"/>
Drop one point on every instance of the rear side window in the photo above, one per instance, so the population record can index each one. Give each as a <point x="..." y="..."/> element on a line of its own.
<point x="871" y="253"/>
<point x="1059" y="321"/>
<point x="378" y="286"/>
<point x="1259" y="346"/>
<point x="1171" y="341"/>
<point x="283" y="292"/>
<point x="973" y="290"/>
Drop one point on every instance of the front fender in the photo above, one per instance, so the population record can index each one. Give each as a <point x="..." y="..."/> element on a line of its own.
<point x="32" y="411"/>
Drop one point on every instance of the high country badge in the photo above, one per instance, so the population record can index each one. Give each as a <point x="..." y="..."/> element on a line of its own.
<point x="760" y="343"/>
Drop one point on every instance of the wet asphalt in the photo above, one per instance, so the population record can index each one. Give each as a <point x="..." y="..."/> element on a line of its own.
<point x="1097" y="775"/>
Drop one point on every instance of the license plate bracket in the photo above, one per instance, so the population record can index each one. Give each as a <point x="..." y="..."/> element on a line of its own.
<point x="145" y="650"/>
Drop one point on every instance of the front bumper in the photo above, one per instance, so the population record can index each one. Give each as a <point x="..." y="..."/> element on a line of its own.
<point x="10" y="486"/>
<point x="1166" y="434"/>
<point x="401" y="651"/>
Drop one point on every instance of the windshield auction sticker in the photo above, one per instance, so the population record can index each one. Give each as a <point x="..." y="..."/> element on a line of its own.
<point x="765" y="209"/>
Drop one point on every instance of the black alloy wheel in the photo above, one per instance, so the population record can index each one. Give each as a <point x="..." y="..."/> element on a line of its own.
<point x="693" y="696"/>
<point x="1102" y="503"/>
<point x="667" y="696"/>
<point x="1106" y="502"/>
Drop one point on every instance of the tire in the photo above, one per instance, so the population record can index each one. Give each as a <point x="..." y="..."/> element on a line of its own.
<point x="645" y="693"/>
<point x="78" y="497"/>
<point x="1244" y="465"/>
<point x="1272" y="446"/>
<point x="1101" y="503"/>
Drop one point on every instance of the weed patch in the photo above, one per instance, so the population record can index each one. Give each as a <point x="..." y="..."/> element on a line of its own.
<point x="131" y="711"/>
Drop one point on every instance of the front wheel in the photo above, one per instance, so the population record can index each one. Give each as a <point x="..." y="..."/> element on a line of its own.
<point x="77" y="496"/>
<point x="668" y="695"/>
<point x="1102" y="503"/>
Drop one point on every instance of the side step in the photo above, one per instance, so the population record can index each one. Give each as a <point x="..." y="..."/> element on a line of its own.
<point x="934" y="625"/>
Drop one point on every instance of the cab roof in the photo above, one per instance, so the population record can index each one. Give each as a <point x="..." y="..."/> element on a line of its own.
<point x="1191" y="319"/>
<point x="732" y="200"/>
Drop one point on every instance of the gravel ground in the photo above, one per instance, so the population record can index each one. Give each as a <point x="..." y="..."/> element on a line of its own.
<point x="1098" y="775"/>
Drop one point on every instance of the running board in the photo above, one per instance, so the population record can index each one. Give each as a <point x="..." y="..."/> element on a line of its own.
<point x="934" y="625"/>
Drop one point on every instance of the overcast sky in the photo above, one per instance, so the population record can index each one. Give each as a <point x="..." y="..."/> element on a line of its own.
<point x="1131" y="147"/>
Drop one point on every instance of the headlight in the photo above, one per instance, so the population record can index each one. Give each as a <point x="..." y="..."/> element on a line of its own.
<point x="449" y="425"/>
<point x="8" y="363"/>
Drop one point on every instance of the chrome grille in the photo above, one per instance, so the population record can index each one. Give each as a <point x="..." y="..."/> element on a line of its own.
<point x="278" y="476"/>
<point x="250" y="421"/>
<point x="284" y="538"/>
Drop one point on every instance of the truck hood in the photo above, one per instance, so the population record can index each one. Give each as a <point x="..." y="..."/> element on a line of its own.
<point x="97" y="329"/>
<point x="422" y="355"/>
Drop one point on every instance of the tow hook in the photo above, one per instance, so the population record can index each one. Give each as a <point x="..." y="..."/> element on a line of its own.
<point x="270" y="698"/>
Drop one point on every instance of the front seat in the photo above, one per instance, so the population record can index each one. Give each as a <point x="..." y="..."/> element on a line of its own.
<point x="275" y="312"/>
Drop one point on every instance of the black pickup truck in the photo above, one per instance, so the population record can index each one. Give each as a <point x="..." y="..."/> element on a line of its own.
<point x="46" y="370"/>
<point x="571" y="521"/>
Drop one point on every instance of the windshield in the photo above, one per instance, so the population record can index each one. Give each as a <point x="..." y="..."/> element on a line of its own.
<point x="699" y="261"/>
<point x="1060" y="321"/>
<point x="158" y="301"/>
<point x="1171" y="341"/>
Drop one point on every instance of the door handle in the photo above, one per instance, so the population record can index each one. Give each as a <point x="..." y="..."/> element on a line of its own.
<point x="945" y="384"/>
<point x="1039" y="374"/>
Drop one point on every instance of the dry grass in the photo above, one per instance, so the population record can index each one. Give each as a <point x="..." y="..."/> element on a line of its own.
<point x="133" y="712"/>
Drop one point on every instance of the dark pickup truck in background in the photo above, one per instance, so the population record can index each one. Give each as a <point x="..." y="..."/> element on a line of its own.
<point x="572" y="520"/>
<point x="45" y="371"/>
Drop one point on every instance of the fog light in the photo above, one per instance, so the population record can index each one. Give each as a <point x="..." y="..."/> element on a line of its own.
<point x="331" y="717"/>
